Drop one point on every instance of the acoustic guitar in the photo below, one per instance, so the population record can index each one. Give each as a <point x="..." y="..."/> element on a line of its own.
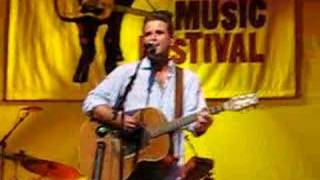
<point x="150" y="143"/>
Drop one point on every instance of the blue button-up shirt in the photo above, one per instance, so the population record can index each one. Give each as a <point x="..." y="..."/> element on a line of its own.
<point x="147" y="92"/>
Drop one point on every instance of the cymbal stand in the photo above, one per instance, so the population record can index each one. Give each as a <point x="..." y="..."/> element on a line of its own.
<point x="15" y="170"/>
<point x="3" y="143"/>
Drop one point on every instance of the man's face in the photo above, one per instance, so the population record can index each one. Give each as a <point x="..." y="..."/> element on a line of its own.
<point x="156" y="32"/>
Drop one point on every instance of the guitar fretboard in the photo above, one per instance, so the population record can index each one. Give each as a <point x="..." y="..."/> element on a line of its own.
<point x="174" y="125"/>
<point x="180" y="122"/>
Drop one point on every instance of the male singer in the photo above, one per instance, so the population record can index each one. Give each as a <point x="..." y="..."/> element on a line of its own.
<point x="154" y="86"/>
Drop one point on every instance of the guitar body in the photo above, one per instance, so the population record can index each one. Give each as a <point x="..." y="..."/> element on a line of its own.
<point x="135" y="150"/>
<point x="150" y="143"/>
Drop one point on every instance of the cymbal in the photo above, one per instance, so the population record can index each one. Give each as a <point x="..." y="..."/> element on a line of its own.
<point x="43" y="167"/>
<point x="50" y="169"/>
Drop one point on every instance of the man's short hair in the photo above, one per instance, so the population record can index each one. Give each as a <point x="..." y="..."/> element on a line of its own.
<point x="161" y="15"/>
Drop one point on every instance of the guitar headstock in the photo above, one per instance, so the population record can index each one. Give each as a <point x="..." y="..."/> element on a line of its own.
<point x="240" y="102"/>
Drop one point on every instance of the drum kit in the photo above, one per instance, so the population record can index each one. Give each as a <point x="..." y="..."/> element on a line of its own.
<point x="44" y="168"/>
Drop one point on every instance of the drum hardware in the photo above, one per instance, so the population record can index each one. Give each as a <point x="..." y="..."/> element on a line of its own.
<point x="44" y="168"/>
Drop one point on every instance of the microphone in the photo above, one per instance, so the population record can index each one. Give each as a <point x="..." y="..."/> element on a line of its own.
<point x="32" y="108"/>
<point x="150" y="47"/>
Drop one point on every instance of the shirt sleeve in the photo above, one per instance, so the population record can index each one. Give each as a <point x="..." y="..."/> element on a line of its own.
<point x="193" y="97"/>
<point x="194" y="100"/>
<point x="107" y="91"/>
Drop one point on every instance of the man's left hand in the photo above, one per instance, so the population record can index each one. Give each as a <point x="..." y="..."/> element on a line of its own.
<point x="204" y="120"/>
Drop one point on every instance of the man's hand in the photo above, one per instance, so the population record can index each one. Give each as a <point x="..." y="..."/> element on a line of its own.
<point x="129" y="122"/>
<point x="106" y="114"/>
<point x="204" y="120"/>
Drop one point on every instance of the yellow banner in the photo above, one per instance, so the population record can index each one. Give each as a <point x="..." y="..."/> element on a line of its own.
<point x="238" y="46"/>
<point x="234" y="46"/>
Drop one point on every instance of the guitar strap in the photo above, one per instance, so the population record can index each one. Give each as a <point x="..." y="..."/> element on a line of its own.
<point x="178" y="109"/>
<point x="179" y="93"/>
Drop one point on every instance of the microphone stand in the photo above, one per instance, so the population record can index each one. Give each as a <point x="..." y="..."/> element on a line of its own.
<point x="3" y="144"/>
<point x="102" y="130"/>
<point x="119" y="106"/>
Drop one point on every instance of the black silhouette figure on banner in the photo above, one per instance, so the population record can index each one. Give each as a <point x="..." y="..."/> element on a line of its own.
<point x="92" y="14"/>
<point x="112" y="37"/>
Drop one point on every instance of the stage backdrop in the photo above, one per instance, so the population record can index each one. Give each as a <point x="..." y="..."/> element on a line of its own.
<point x="234" y="46"/>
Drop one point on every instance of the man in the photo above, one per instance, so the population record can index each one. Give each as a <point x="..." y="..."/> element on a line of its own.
<point x="153" y="86"/>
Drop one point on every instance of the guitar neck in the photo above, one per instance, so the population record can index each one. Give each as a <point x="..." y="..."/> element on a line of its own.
<point x="181" y="122"/>
<point x="216" y="110"/>
<point x="234" y="104"/>
<point x="136" y="11"/>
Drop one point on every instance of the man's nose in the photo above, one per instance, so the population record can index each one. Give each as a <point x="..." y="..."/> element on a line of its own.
<point x="153" y="36"/>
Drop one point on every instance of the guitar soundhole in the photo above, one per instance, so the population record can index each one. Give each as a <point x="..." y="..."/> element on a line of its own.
<point x="132" y="141"/>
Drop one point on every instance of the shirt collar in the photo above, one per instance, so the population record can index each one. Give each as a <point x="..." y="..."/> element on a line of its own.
<point x="146" y="65"/>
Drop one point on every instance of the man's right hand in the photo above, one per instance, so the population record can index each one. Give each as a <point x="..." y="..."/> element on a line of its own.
<point x="129" y="122"/>
<point x="106" y="114"/>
